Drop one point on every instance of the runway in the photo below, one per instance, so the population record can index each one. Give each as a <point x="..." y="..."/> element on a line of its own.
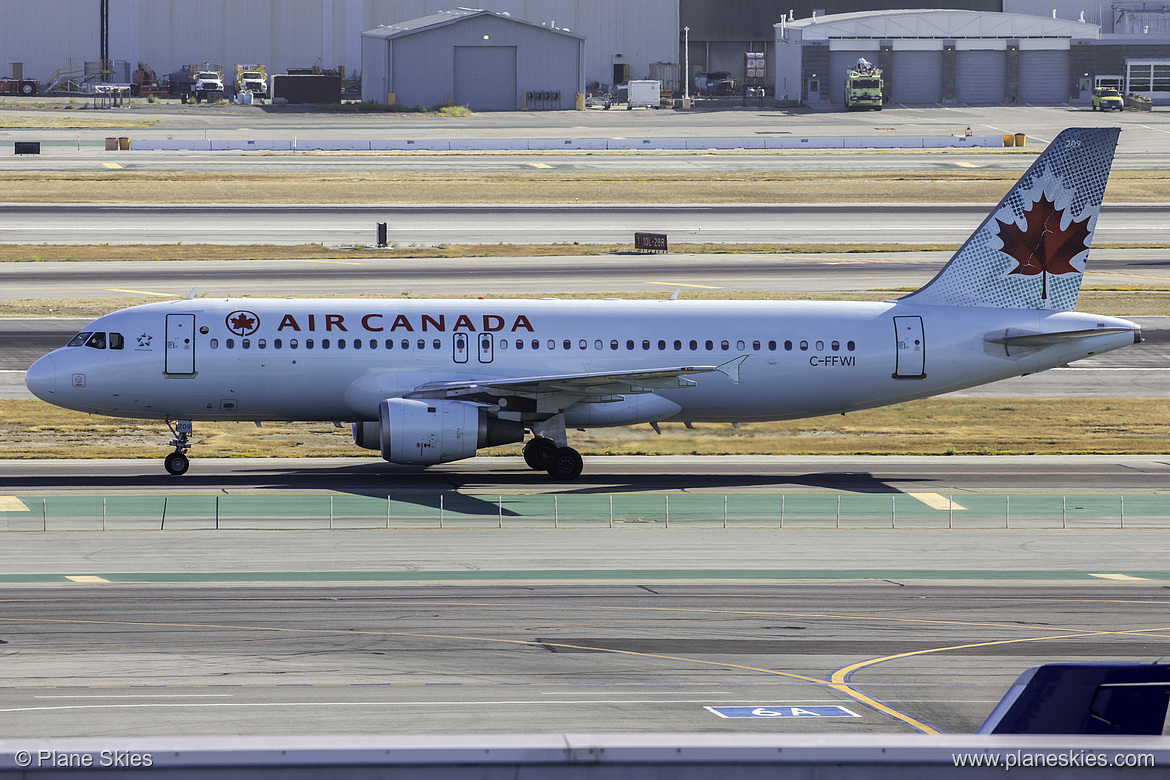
<point x="348" y="225"/>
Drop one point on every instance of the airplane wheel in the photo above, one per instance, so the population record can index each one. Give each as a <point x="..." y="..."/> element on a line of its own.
<point x="176" y="463"/>
<point x="538" y="453"/>
<point x="565" y="464"/>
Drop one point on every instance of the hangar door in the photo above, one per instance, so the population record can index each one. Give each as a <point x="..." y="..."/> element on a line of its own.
<point x="979" y="76"/>
<point x="917" y="77"/>
<point x="485" y="77"/>
<point x="839" y="64"/>
<point x="1043" y="76"/>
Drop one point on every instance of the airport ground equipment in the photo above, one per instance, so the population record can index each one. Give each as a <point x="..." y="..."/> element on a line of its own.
<point x="863" y="86"/>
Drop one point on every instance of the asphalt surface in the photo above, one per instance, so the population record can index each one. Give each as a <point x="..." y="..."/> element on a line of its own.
<point x="602" y="475"/>
<point x="147" y="660"/>
<point x="348" y="225"/>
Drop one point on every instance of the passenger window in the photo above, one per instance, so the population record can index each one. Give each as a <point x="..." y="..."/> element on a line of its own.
<point x="677" y="345"/>
<point x="836" y="345"/>
<point x="230" y="343"/>
<point x="804" y="346"/>
<point x="519" y="343"/>
<point x="661" y="345"/>
<point x="787" y="346"/>
<point x="324" y="343"/>
<point x="405" y="344"/>
<point x="116" y="341"/>
<point x="535" y="344"/>
<point x="694" y="345"/>
<point x="820" y="346"/>
<point x="357" y="343"/>
<point x="849" y="346"/>
<point x="756" y="346"/>
<point x="246" y="343"/>
<point x="645" y="344"/>
<point x="772" y="345"/>
<point x="292" y="343"/>
<point x="629" y="343"/>
<point x="569" y="345"/>
<point x="422" y="344"/>
<point x="97" y="341"/>
<point x="373" y="343"/>
<point x="214" y="343"/>
<point x="389" y="343"/>
<point x="553" y="345"/>
<point x="340" y="343"/>
<point x="583" y="344"/>
<point x="503" y="343"/>
<point x="276" y="343"/>
<point x="261" y="344"/>
<point x="724" y="345"/>
<point x="437" y="344"/>
<point x="598" y="345"/>
<point x="710" y="345"/>
<point x="80" y="339"/>
<point x="613" y="344"/>
<point x="308" y="343"/>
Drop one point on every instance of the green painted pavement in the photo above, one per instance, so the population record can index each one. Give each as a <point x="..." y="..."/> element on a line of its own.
<point x="582" y="574"/>
<point x="543" y="510"/>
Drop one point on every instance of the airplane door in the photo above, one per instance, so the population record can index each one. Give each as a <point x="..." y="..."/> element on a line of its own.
<point x="486" y="347"/>
<point x="180" y="352"/>
<point x="459" y="344"/>
<point x="911" y="355"/>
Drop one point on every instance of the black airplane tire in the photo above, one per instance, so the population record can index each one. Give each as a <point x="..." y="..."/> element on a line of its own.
<point x="566" y="464"/>
<point x="177" y="464"/>
<point x="538" y="453"/>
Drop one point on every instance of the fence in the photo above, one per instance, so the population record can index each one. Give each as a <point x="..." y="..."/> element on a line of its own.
<point x="674" y="510"/>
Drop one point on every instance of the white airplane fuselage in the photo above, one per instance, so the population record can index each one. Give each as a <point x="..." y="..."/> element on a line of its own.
<point x="328" y="359"/>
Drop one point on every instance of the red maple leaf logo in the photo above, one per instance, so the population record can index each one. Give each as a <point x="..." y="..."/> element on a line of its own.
<point x="244" y="323"/>
<point x="1043" y="247"/>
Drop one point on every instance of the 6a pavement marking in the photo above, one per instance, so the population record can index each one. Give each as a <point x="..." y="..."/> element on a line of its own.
<point x="12" y="504"/>
<point x="936" y="501"/>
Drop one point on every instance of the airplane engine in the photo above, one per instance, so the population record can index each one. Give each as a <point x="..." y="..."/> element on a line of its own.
<point x="428" y="431"/>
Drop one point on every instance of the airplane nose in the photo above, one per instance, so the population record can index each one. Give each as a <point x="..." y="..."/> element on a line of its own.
<point x="41" y="378"/>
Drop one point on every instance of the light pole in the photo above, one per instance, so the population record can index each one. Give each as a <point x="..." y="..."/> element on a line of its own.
<point x="687" y="66"/>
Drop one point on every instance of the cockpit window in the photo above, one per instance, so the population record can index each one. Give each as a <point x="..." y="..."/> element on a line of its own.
<point x="80" y="339"/>
<point x="116" y="340"/>
<point x="97" y="340"/>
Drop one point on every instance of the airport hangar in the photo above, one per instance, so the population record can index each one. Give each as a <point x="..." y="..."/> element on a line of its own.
<point x="484" y="60"/>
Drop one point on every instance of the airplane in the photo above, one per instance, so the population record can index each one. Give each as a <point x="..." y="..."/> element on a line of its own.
<point x="433" y="381"/>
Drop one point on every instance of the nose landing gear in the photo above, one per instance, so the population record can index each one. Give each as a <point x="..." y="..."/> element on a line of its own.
<point x="177" y="462"/>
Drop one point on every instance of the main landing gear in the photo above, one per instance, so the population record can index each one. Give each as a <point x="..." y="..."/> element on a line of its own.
<point x="177" y="462"/>
<point x="543" y="454"/>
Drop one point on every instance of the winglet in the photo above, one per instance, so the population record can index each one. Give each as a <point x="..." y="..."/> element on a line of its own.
<point x="731" y="368"/>
<point x="191" y="295"/>
<point x="674" y="295"/>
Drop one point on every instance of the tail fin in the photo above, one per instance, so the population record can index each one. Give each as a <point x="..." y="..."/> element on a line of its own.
<point x="1030" y="252"/>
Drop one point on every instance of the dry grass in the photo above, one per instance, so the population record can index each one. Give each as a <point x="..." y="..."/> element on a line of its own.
<point x="70" y="122"/>
<point x="32" y="429"/>
<point x="542" y="187"/>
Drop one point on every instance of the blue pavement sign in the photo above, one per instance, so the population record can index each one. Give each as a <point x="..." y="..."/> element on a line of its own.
<point x="783" y="711"/>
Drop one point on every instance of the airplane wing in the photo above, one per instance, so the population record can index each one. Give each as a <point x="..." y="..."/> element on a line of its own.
<point x="575" y="387"/>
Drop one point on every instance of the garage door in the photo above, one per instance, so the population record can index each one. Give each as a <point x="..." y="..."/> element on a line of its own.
<point x="917" y="77"/>
<point x="485" y="77"/>
<point x="1044" y="77"/>
<point x="979" y="76"/>
<point x="839" y="64"/>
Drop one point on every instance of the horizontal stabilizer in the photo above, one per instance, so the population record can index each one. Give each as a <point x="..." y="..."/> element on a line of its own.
<point x="1047" y="339"/>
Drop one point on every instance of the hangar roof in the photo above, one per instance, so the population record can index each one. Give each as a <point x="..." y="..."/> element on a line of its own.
<point x="939" y="24"/>
<point x="444" y="18"/>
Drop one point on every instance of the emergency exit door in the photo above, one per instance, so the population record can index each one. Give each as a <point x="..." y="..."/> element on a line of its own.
<point x="486" y="347"/>
<point x="911" y="353"/>
<point x="180" y="351"/>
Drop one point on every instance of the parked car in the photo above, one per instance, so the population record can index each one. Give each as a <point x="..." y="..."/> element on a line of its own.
<point x="1106" y="98"/>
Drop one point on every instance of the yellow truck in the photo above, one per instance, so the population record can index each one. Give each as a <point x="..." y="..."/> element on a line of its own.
<point x="253" y="80"/>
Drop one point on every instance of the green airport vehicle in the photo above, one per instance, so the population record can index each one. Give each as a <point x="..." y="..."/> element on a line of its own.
<point x="863" y="86"/>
